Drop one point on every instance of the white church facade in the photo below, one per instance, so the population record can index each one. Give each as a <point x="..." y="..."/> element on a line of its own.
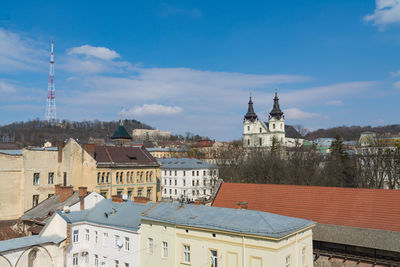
<point x="257" y="133"/>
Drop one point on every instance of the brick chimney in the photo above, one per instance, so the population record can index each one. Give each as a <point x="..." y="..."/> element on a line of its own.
<point x="242" y="205"/>
<point x="82" y="193"/>
<point x="117" y="199"/>
<point x="57" y="189"/>
<point x="89" y="148"/>
<point x="63" y="192"/>
<point x="60" y="145"/>
<point x="142" y="200"/>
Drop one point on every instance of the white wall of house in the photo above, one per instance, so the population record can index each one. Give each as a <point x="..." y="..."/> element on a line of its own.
<point x="87" y="247"/>
<point x="90" y="201"/>
<point x="190" y="183"/>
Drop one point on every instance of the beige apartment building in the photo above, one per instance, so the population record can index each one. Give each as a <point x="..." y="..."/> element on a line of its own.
<point x="174" y="234"/>
<point x="126" y="170"/>
<point x="28" y="176"/>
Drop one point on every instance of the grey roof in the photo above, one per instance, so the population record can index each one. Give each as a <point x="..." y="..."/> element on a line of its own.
<point x="48" y="206"/>
<point x="166" y="149"/>
<point x="28" y="241"/>
<point x="16" y="152"/>
<point x="360" y="237"/>
<point x="225" y="219"/>
<point x="54" y="148"/>
<point x="184" y="163"/>
<point x="125" y="215"/>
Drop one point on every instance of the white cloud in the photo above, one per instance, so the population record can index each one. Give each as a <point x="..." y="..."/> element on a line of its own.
<point x="151" y="109"/>
<point x="6" y="87"/>
<point x="94" y="51"/>
<point x="395" y="73"/>
<point x="335" y="103"/>
<point x="297" y="114"/>
<point x="386" y="12"/>
<point x="20" y="53"/>
<point x="396" y="85"/>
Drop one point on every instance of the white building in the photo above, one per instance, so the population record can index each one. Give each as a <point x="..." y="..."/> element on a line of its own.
<point x="150" y="135"/>
<point x="257" y="133"/>
<point x="107" y="235"/>
<point x="188" y="178"/>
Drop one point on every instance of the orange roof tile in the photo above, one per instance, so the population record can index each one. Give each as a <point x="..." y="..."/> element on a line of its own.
<point x="355" y="207"/>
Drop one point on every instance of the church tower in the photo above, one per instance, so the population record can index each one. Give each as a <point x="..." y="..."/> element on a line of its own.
<point x="276" y="122"/>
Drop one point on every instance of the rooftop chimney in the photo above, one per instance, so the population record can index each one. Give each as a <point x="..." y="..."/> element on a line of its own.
<point x="242" y="205"/>
<point x="117" y="199"/>
<point x="143" y="200"/>
<point x="82" y="193"/>
<point x="63" y="192"/>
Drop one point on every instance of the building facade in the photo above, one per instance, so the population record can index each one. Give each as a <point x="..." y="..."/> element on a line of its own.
<point x="187" y="178"/>
<point x="191" y="235"/>
<point x="257" y="133"/>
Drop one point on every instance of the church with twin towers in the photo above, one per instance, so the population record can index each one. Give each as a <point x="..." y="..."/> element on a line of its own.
<point x="257" y="133"/>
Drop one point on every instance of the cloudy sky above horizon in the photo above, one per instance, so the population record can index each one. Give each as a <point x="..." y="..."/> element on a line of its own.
<point x="190" y="65"/>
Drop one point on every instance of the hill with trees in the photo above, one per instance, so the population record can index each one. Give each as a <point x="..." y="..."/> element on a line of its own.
<point x="349" y="133"/>
<point x="37" y="132"/>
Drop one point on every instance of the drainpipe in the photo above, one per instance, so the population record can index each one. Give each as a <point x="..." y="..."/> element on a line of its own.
<point x="243" y="256"/>
<point x="111" y="176"/>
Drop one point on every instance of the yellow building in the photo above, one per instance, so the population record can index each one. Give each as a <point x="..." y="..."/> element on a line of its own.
<point x="28" y="176"/>
<point x="167" y="152"/>
<point x="126" y="170"/>
<point x="174" y="234"/>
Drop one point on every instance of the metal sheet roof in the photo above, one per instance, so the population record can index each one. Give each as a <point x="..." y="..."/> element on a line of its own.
<point x="224" y="219"/>
<point x="125" y="215"/>
<point x="28" y="241"/>
<point x="184" y="163"/>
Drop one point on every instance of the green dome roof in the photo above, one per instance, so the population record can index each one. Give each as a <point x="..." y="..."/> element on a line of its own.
<point x="121" y="133"/>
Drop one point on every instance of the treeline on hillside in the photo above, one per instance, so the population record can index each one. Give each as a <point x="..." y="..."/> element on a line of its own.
<point x="350" y="133"/>
<point x="372" y="168"/>
<point x="36" y="132"/>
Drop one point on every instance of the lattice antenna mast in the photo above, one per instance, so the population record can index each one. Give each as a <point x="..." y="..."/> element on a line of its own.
<point x="51" y="92"/>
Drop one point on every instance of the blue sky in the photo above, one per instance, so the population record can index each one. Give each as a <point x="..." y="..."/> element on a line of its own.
<point x="190" y="65"/>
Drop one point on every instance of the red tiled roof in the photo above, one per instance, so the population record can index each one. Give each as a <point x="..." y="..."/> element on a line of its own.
<point x="355" y="207"/>
<point x="124" y="154"/>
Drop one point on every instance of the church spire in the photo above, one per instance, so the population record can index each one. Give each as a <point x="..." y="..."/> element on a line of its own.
<point x="250" y="115"/>
<point x="276" y="110"/>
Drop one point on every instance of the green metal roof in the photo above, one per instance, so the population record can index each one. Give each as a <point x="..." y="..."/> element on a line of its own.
<point x="121" y="133"/>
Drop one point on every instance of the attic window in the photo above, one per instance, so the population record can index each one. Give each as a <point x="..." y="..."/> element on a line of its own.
<point x="131" y="156"/>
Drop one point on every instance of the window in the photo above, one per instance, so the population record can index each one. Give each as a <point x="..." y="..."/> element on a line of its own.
<point x="176" y="173"/>
<point x="273" y="126"/>
<point x="108" y="178"/>
<point x="213" y="258"/>
<point x="192" y="182"/>
<point x="129" y="194"/>
<point x="193" y="192"/>
<point x="184" y="182"/>
<point x="170" y="191"/>
<point x="116" y="263"/>
<point x="35" y="200"/>
<point x="149" y="193"/>
<point x="287" y="262"/>
<point x="260" y="140"/>
<point x="96" y="260"/>
<point x="98" y="177"/>
<point x="165" y="190"/>
<point x="303" y="256"/>
<point x="204" y="173"/>
<point x="116" y="177"/>
<point x="197" y="173"/>
<point x="147" y="176"/>
<point x="102" y="178"/>
<point x="75" y="259"/>
<point x="204" y="192"/>
<point x="176" y="182"/>
<point x="170" y="182"/>
<point x="184" y="173"/>
<point x="127" y="243"/>
<point x="192" y="173"/>
<point x="260" y="130"/>
<point x="176" y="191"/>
<point x="86" y="257"/>
<point x="170" y="173"/>
<point x="36" y="177"/>
<point x="87" y="234"/>
<point x="186" y="253"/>
<point x="197" y="182"/>
<point x="51" y="178"/>
<point x="76" y="236"/>
<point x="248" y="128"/>
<point x="105" y="237"/>
<point x="164" y="249"/>
<point x="121" y="177"/>
<point x="248" y="141"/>
<point x="119" y="192"/>
<point x="96" y="237"/>
<point x="139" y="192"/>
<point x="131" y="177"/>
<point x="150" y="245"/>
<point x="116" y="240"/>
